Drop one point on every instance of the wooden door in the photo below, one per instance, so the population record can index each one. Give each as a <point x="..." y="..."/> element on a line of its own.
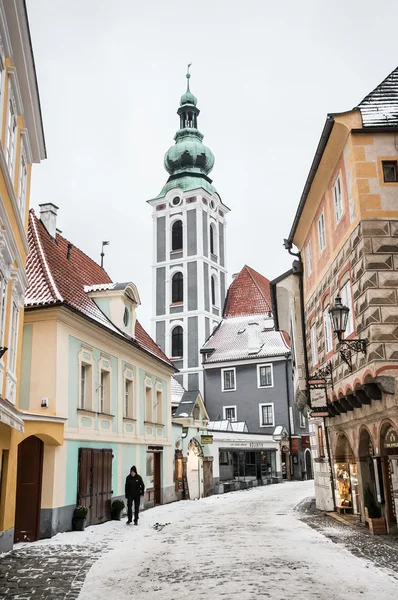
<point x="29" y="480"/>
<point x="157" y="478"/>
<point x="95" y="483"/>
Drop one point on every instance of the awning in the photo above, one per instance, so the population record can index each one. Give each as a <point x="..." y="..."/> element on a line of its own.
<point x="10" y="416"/>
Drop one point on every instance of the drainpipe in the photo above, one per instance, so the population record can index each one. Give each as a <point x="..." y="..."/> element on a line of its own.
<point x="287" y="356"/>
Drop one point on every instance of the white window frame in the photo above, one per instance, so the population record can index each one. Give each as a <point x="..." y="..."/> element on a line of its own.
<point x="321" y="232"/>
<point x="105" y="377"/>
<point x="11" y="139"/>
<point x="303" y="421"/>
<point x="338" y="199"/>
<point x="83" y="386"/>
<point x="224" y="412"/>
<point x="128" y="398"/>
<point x="222" y="379"/>
<point x="346" y="298"/>
<point x="261" y="414"/>
<point x="13" y="339"/>
<point x="259" y="367"/>
<point x="148" y="418"/>
<point x="2" y="88"/>
<point x="158" y="394"/>
<point x="314" y="348"/>
<point x="308" y="258"/>
<point x="3" y="306"/>
<point x="22" y="182"/>
<point x="328" y="331"/>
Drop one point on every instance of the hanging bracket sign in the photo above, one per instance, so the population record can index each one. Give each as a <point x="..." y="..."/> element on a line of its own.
<point x="318" y="401"/>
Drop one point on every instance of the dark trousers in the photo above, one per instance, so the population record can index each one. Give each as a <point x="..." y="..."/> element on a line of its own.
<point x="130" y="501"/>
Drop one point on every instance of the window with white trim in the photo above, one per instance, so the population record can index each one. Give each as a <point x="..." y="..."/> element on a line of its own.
<point x="22" y="184"/>
<point x="128" y="399"/>
<point x="159" y="406"/>
<point x="308" y="258"/>
<point x="105" y="392"/>
<point x="229" y="412"/>
<point x="148" y="404"/>
<point x="303" y="421"/>
<point x="11" y="134"/>
<point x="346" y="298"/>
<point x="228" y="378"/>
<point x="83" y="386"/>
<point x="321" y="232"/>
<point x="327" y="325"/>
<point x="2" y="83"/>
<point x="13" y="339"/>
<point x="3" y="306"/>
<point x="314" y="349"/>
<point x="266" y="415"/>
<point x="338" y="199"/>
<point x="264" y="376"/>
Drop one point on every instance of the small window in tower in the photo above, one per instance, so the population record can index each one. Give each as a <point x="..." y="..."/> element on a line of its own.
<point x="176" y="201"/>
<point x="177" y="288"/>
<point x="212" y="240"/>
<point x="177" y="342"/>
<point x="390" y="171"/>
<point x="176" y="235"/>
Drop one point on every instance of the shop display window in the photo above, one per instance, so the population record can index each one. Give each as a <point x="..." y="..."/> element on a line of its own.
<point x="346" y="486"/>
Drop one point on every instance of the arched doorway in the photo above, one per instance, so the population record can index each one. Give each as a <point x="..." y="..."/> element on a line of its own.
<point x="308" y="464"/>
<point x="389" y="457"/>
<point x="368" y="465"/>
<point x="193" y="469"/>
<point x="346" y="477"/>
<point x="28" y="499"/>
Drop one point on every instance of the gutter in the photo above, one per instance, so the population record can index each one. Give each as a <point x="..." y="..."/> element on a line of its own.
<point x="327" y="130"/>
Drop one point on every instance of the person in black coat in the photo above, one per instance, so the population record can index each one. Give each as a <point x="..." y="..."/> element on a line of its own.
<point x="134" y="489"/>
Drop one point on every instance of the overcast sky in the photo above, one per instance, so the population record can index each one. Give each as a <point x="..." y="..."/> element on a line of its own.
<point x="265" y="74"/>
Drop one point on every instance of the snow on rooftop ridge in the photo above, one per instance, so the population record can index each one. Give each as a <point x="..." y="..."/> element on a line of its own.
<point x="47" y="268"/>
<point x="100" y="287"/>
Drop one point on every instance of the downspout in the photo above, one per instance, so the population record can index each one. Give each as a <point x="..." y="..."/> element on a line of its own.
<point x="287" y="356"/>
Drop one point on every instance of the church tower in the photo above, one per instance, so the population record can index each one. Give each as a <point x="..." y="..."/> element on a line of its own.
<point x="189" y="271"/>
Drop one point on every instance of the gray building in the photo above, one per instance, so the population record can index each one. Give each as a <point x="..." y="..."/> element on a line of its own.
<point x="247" y="373"/>
<point x="189" y="270"/>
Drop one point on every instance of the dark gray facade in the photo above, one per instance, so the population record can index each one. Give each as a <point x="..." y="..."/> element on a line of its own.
<point x="248" y="399"/>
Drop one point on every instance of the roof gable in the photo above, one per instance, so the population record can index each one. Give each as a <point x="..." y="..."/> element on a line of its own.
<point x="248" y="294"/>
<point x="59" y="273"/>
<point x="380" y="107"/>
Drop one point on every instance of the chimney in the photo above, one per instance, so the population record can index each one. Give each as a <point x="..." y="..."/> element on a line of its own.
<point x="48" y="216"/>
<point x="254" y="338"/>
<point x="234" y="275"/>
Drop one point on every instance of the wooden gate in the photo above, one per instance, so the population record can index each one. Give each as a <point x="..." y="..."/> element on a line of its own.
<point x="95" y="484"/>
<point x="28" y="501"/>
<point x="208" y="486"/>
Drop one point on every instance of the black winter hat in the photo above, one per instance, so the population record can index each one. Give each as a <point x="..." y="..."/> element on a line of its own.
<point x="133" y="468"/>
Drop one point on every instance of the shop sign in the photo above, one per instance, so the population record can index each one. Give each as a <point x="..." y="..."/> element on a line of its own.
<point x="256" y="444"/>
<point x="391" y="438"/>
<point x="318" y="397"/>
<point x="206" y="439"/>
<point x="320" y="412"/>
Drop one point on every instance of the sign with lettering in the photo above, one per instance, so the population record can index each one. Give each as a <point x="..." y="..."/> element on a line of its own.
<point x="322" y="411"/>
<point x="391" y="438"/>
<point x="206" y="439"/>
<point x="318" y="397"/>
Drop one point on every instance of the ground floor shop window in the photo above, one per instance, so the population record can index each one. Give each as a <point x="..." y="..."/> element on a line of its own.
<point x="346" y="485"/>
<point x="247" y="465"/>
<point x="149" y="483"/>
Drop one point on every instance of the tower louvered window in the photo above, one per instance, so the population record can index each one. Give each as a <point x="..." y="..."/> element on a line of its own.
<point x="177" y="288"/>
<point x="177" y="343"/>
<point x="176" y="236"/>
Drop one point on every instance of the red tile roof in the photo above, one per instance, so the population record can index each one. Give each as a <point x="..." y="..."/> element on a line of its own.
<point x="56" y="279"/>
<point x="248" y="294"/>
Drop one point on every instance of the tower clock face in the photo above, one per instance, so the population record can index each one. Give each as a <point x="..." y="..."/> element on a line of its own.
<point x="176" y="201"/>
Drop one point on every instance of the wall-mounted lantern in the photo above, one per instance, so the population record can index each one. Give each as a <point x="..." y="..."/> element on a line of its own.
<point x="339" y="317"/>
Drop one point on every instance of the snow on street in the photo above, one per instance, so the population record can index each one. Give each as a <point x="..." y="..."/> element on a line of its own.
<point x="248" y="544"/>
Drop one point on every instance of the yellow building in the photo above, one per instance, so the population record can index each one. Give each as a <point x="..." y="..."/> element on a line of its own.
<point x="22" y="143"/>
<point x="346" y="233"/>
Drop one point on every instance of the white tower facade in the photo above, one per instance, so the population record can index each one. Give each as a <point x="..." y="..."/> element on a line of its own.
<point x="189" y="268"/>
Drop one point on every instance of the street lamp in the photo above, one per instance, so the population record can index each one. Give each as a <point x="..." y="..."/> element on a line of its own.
<point x="339" y="317"/>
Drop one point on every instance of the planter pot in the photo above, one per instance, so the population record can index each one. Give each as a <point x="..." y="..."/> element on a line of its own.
<point x="377" y="526"/>
<point x="116" y="514"/>
<point x="79" y="523"/>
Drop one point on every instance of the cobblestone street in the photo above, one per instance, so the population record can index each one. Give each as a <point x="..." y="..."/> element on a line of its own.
<point x="46" y="571"/>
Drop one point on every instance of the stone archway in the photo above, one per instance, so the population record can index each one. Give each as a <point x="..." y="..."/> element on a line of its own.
<point x="346" y="477"/>
<point x="308" y="463"/>
<point x="389" y="460"/>
<point x="367" y="473"/>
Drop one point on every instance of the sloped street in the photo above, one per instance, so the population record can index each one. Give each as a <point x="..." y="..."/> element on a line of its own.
<point x="248" y="544"/>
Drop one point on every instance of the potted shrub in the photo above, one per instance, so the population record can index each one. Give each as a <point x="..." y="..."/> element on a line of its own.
<point x="79" y="519"/>
<point x="116" y="509"/>
<point x="377" y="523"/>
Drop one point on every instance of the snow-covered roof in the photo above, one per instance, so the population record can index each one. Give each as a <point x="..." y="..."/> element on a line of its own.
<point x="177" y="391"/>
<point x="59" y="273"/>
<point x="239" y="426"/>
<point x="230" y="341"/>
<point x="380" y="107"/>
<point x="224" y="425"/>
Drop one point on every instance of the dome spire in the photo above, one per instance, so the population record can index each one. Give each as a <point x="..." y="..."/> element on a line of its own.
<point x="188" y="97"/>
